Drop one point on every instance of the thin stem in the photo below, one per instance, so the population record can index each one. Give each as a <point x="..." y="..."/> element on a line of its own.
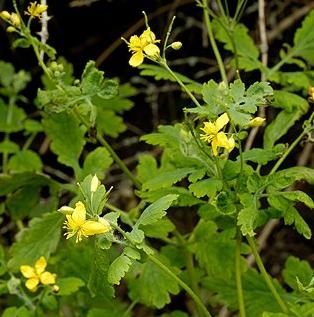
<point x="238" y="275"/>
<point x="179" y="81"/>
<point x="288" y="151"/>
<point x="213" y="42"/>
<point x="189" y="266"/>
<point x="196" y="299"/>
<point x="117" y="159"/>
<point x="265" y="275"/>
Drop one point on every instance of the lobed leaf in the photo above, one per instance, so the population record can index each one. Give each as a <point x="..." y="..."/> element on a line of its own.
<point x="118" y="268"/>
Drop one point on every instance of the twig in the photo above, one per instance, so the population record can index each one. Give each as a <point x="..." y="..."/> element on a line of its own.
<point x="44" y="28"/>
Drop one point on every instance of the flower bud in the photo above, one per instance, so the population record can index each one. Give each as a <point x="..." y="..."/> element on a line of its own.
<point x="11" y="29"/>
<point x="5" y="15"/>
<point x="311" y="93"/>
<point x="176" y="45"/>
<point x="94" y="183"/>
<point x="257" y="122"/>
<point x="66" y="210"/>
<point x="15" y="20"/>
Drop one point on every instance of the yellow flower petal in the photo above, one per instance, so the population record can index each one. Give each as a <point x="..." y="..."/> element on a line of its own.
<point x="27" y="271"/>
<point x="79" y="213"/>
<point x="47" y="278"/>
<point x="40" y="265"/>
<point x="152" y="50"/>
<point x="222" y="121"/>
<point x="136" y="59"/>
<point x="32" y="283"/>
<point x="94" y="227"/>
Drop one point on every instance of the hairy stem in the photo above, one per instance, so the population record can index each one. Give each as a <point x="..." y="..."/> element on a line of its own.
<point x="213" y="42"/>
<point x="265" y="275"/>
<point x="238" y="275"/>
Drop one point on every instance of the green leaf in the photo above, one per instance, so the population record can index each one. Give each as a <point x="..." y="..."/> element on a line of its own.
<point x="151" y="285"/>
<point x="156" y="210"/>
<point x="246" y="219"/>
<point x="25" y="161"/>
<point x="159" y="229"/>
<point x="109" y="123"/>
<point x="118" y="268"/>
<point x="96" y="162"/>
<point x="299" y="196"/>
<point x="7" y="146"/>
<point x="39" y="239"/>
<point x="17" y="115"/>
<point x="237" y="40"/>
<point x="93" y="82"/>
<point x="146" y="167"/>
<point x="69" y="285"/>
<point x="290" y="214"/>
<point x="17" y="312"/>
<point x="304" y="39"/>
<point x="294" y="107"/>
<point x="67" y="137"/>
<point x="167" y="178"/>
<point x="112" y="308"/>
<point x="136" y="236"/>
<point x="207" y="187"/>
<point x="296" y="268"/>
<point x="263" y="156"/>
<point x="98" y="284"/>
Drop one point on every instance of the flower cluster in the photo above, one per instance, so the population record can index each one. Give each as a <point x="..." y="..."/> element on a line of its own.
<point x="37" y="275"/>
<point x="11" y="18"/>
<point x="76" y="223"/>
<point x="217" y="138"/>
<point x="36" y="10"/>
<point x="143" y="46"/>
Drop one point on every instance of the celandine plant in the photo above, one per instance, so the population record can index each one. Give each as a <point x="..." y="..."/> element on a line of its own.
<point x="110" y="262"/>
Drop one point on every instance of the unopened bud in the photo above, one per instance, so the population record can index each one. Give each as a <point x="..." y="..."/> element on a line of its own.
<point x="311" y="92"/>
<point x="257" y="122"/>
<point x="15" y="20"/>
<point x="5" y="15"/>
<point x="94" y="183"/>
<point x="11" y="29"/>
<point x="176" y="45"/>
<point x="66" y="210"/>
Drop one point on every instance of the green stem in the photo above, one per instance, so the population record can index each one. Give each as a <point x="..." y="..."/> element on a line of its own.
<point x="196" y="299"/>
<point x="117" y="159"/>
<point x="179" y="81"/>
<point x="238" y="275"/>
<point x="265" y="275"/>
<point x="213" y="42"/>
<point x="288" y="151"/>
<point x="189" y="266"/>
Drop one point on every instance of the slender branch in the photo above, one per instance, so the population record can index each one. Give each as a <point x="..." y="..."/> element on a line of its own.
<point x="265" y="275"/>
<point x="117" y="159"/>
<point x="165" y="65"/>
<point x="213" y="42"/>
<point x="238" y="275"/>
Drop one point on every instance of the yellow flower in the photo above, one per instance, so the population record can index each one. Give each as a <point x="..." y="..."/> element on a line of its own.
<point x="76" y="223"/>
<point x="216" y="137"/>
<point x="36" y="10"/>
<point x="141" y="46"/>
<point x="37" y="274"/>
<point x="12" y="18"/>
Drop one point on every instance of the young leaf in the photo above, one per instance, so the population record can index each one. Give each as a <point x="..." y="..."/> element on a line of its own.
<point x="39" y="239"/>
<point x="263" y="156"/>
<point x="296" y="268"/>
<point x="156" y="210"/>
<point x="118" y="268"/>
<point x="152" y="286"/>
